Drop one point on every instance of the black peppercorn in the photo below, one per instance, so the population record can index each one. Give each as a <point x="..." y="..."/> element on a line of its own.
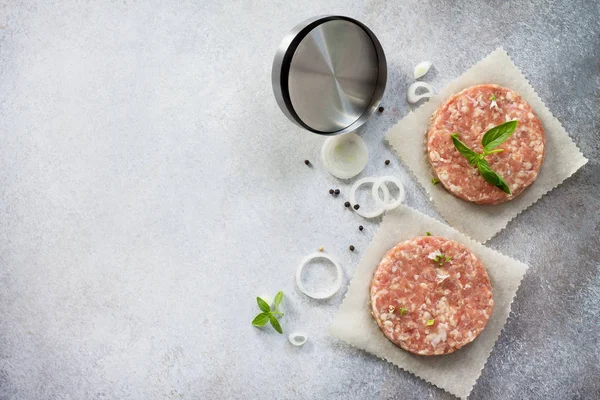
<point x="337" y="191"/>
<point x="331" y="191"/>
<point x="306" y="162"/>
<point x="351" y="248"/>
<point x="347" y="204"/>
<point x="381" y="109"/>
<point x="387" y="162"/>
<point x="356" y="206"/>
<point x="360" y="228"/>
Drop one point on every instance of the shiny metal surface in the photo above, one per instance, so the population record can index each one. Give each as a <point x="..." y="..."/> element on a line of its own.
<point x="333" y="75"/>
<point x="329" y="74"/>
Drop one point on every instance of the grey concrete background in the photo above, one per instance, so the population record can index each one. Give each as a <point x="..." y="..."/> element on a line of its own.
<point x="150" y="188"/>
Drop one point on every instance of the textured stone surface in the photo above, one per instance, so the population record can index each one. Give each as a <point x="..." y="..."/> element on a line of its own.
<point x="151" y="189"/>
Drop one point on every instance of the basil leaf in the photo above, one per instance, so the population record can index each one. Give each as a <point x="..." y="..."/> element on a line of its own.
<point x="261" y="319"/>
<point x="263" y="305"/>
<point x="492" y="177"/>
<point x="275" y="323"/>
<point x="463" y="149"/>
<point x="278" y="298"/>
<point x="497" y="135"/>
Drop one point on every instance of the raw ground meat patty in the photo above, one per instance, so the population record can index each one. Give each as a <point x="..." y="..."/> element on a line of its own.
<point x="470" y="113"/>
<point x="409" y="289"/>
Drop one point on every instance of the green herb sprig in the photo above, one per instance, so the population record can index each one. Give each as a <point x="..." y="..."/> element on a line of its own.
<point x="441" y="258"/>
<point x="491" y="139"/>
<point x="269" y="315"/>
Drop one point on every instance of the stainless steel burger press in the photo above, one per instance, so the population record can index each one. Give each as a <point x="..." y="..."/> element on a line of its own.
<point x="329" y="74"/>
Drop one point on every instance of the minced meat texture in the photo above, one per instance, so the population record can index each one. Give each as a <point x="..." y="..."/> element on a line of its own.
<point x="410" y="288"/>
<point x="471" y="113"/>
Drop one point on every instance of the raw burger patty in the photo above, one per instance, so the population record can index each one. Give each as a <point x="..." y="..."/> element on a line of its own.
<point x="456" y="295"/>
<point x="469" y="113"/>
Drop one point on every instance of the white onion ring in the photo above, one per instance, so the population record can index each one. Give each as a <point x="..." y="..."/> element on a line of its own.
<point x="345" y="156"/>
<point x="412" y="95"/>
<point x="338" y="280"/>
<point x="352" y="198"/>
<point x="293" y="338"/>
<point x="388" y="204"/>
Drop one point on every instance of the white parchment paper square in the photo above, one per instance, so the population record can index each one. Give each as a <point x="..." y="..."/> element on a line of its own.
<point x="481" y="223"/>
<point x="456" y="372"/>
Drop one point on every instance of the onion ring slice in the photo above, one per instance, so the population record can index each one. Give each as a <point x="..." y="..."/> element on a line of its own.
<point x="372" y="214"/>
<point x="412" y="95"/>
<point x="338" y="280"/>
<point x="385" y="203"/>
<point x="297" y="339"/>
<point x="344" y="156"/>
<point x="421" y="69"/>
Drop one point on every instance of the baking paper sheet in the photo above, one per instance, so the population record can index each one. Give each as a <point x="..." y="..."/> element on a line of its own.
<point x="456" y="372"/>
<point x="481" y="223"/>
